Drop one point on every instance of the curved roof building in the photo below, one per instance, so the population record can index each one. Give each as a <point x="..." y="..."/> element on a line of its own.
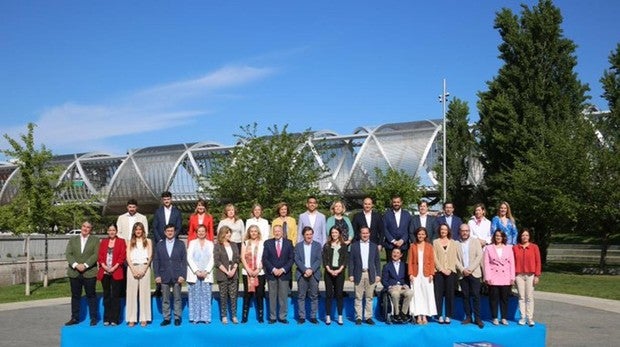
<point x="110" y="180"/>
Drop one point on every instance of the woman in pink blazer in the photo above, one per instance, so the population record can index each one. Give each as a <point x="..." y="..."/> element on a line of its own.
<point x="499" y="274"/>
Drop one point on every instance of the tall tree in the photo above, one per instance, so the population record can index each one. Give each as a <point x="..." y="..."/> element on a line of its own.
<point x="531" y="120"/>
<point x="31" y="209"/>
<point x="459" y="152"/>
<point x="606" y="168"/>
<point x="267" y="170"/>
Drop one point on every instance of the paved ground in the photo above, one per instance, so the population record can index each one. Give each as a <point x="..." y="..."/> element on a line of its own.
<point x="571" y="321"/>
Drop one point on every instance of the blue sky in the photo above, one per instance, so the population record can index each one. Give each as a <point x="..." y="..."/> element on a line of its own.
<point x="114" y="75"/>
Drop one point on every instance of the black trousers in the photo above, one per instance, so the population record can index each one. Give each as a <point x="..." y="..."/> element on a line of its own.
<point x="258" y="293"/>
<point x="334" y="288"/>
<point x="445" y="287"/>
<point x="111" y="299"/>
<point x="499" y="294"/>
<point x="470" y="286"/>
<point x="88" y="284"/>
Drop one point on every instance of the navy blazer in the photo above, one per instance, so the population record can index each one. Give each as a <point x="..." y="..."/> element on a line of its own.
<point x="272" y="261"/>
<point x="455" y="227"/>
<point x="389" y="276"/>
<point x="170" y="268"/>
<point x="315" y="260"/>
<point x="355" y="262"/>
<point x="431" y="227"/>
<point x="392" y="232"/>
<point x="377" y="234"/>
<point x="159" y="223"/>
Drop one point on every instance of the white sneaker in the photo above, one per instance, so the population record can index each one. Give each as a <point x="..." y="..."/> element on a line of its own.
<point x="522" y="321"/>
<point x="504" y="321"/>
<point x="495" y="321"/>
<point x="531" y="323"/>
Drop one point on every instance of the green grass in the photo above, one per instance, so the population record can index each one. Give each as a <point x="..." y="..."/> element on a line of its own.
<point x="568" y="279"/>
<point x="583" y="239"/>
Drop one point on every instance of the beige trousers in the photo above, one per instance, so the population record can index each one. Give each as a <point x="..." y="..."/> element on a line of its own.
<point x="365" y="287"/>
<point x="138" y="296"/>
<point x="525" y="286"/>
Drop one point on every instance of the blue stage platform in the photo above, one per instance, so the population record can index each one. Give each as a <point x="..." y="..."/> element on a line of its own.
<point x="254" y="334"/>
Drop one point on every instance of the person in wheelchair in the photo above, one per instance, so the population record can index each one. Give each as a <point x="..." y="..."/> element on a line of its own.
<point x="395" y="281"/>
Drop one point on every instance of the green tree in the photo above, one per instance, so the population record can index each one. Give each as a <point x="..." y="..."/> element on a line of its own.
<point x="394" y="182"/>
<point x="267" y="170"/>
<point x="531" y="122"/>
<point x="460" y="144"/>
<point x="31" y="210"/>
<point x="606" y="168"/>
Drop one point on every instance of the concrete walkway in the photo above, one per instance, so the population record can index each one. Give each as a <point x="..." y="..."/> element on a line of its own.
<point x="571" y="320"/>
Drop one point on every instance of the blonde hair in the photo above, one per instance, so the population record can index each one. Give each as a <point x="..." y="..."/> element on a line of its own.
<point x="344" y="208"/>
<point x="221" y="234"/>
<point x="247" y="232"/>
<point x="134" y="238"/>
<point x="508" y="211"/>
<point x="224" y="215"/>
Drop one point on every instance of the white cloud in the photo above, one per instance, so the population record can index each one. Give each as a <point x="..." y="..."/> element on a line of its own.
<point x="73" y="125"/>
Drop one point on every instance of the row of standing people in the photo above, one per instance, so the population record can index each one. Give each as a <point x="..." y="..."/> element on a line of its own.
<point x="368" y="217"/>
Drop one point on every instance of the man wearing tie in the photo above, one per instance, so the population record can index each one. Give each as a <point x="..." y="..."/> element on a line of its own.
<point x="277" y="263"/>
<point x="82" y="252"/>
<point x="394" y="278"/>
<point x="308" y="261"/>
<point x="364" y="270"/>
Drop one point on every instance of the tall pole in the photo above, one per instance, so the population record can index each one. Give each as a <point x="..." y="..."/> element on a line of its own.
<point x="443" y="98"/>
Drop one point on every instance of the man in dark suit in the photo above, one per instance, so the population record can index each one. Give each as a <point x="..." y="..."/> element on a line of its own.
<point x="277" y="263"/>
<point x="82" y="251"/>
<point x="395" y="280"/>
<point x="164" y="215"/>
<point x="370" y="218"/>
<point x="364" y="270"/>
<point x="308" y="261"/>
<point x="396" y="223"/>
<point x="454" y="222"/>
<point x="170" y="265"/>
<point x="423" y="219"/>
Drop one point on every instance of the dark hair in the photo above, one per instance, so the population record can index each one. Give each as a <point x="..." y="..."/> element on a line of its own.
<point x="504" y="237"/>
<point x="112" y="225"/>
<point x="170" y="225"/>
<point x="166" y="194"/>
<point x="329" y="236"/>
<point x="447" y="226"/>
<point x="306" y="228"/>
<point x="524" y="230"/>
<point x="394" y="196"/>
<point x="448" y="202"/>
<point x="417" y="231"/>
<point x="132" y="202"/>
<point x="422" y="202"/>
<point x="312" y="197"/>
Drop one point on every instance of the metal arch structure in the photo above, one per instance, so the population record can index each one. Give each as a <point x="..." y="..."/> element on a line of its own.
<point x="184" y="169"/>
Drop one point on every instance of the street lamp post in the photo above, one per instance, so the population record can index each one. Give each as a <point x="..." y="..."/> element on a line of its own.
<point x="443" y="98"/>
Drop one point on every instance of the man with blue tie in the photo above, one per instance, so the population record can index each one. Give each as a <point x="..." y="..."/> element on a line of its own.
<point x="396" y="227"/>
<point x="277" y="263"/>
<point x="308" y="261"/>
<point x="394" y="280"/>
<point x="454" y="222"/>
